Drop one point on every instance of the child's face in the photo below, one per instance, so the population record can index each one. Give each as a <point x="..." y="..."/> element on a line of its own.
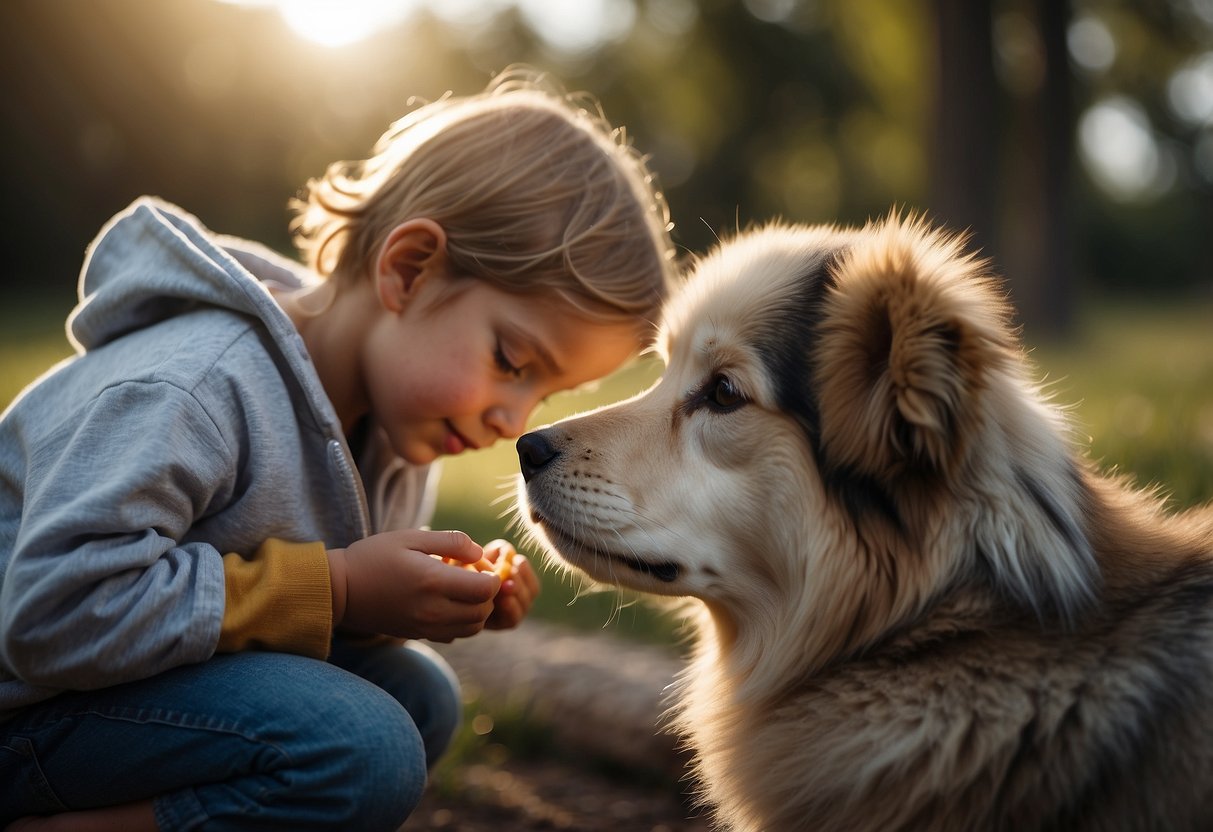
<point x="463" y="373"/>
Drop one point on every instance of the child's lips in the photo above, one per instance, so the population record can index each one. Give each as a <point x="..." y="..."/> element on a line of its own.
<point x="455" y="442"/>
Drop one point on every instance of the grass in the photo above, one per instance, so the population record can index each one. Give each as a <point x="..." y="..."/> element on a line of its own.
<point x="1141" y="384"/>
<point x="1140" y="381"/>
<point x="32" y="339"/>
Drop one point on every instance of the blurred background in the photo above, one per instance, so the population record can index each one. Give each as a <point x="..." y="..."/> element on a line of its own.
<point x="1073" y="139"/>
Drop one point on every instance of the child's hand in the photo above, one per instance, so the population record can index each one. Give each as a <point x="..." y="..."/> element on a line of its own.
<point x="518" y="590"/>
<point x="389" y="584"/>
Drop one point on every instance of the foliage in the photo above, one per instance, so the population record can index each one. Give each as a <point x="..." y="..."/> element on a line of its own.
<point x="813" y="110"/>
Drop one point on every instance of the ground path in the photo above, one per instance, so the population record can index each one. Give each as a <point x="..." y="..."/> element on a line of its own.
<point x="594" y="703"/>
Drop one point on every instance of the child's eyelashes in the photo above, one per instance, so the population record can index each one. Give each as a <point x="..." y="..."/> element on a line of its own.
<point x="503" y="362"/>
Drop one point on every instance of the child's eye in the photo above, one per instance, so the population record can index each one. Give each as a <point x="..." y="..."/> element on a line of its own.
<point x="503" y="362"/>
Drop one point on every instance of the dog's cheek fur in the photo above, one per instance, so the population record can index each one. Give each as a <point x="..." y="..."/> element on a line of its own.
<point x="743" y="485"/>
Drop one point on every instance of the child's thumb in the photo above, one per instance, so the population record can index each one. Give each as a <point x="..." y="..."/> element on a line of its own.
<point x="453" y="544"/>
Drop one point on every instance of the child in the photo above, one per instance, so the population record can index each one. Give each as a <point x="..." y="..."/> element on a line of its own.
<point x="237" y="461"/>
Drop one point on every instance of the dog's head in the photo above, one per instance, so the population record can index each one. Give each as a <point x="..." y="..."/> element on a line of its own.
<point x="846" y="426"/>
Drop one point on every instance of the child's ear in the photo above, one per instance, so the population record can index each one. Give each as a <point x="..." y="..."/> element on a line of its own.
<point x="413" y="252"/>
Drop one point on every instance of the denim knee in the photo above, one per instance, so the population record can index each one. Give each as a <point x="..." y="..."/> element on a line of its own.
<point x="242" y="741"/>
<point x="418" y="678"/>
<point x="370" y="759"/>
<point x="326" y="750"/>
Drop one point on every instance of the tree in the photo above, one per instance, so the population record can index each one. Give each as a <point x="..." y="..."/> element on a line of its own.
<point x="1001" y="160"/>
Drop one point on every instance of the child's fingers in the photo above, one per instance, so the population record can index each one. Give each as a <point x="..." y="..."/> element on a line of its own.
<point x="450" y="545"/>
<point x="466" y="584"/>
<point x="515" y="597"/>
<point x="508" y="612"/>
<point x="525" y="577"/>
<point x="523" y="586"/>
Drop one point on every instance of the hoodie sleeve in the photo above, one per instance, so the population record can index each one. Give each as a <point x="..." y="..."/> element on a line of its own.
<point x="98" y="589"/>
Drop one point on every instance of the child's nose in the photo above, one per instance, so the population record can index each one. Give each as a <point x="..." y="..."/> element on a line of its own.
<point x="508" y="420"/>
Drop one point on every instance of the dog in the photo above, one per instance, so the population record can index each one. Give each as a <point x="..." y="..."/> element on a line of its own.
<point x="916" y="604"/>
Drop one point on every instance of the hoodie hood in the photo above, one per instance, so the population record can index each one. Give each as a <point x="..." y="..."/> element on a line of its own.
<point x="154" y="261"/>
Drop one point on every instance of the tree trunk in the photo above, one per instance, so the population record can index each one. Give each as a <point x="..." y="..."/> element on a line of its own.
<point x="1021" y="222"/>
<point x="964" y="146"/>
<point x="1038" y="222"/>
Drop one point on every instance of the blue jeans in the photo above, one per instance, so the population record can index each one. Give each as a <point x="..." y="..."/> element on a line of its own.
<point x="243" y="741"/>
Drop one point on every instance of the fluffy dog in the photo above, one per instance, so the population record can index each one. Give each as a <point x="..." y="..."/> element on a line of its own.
<point x="921" y="606"/>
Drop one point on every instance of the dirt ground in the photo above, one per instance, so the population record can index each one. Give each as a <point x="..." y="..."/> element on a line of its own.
<point x="561" y="732"/>
<point x="543" y="794"/>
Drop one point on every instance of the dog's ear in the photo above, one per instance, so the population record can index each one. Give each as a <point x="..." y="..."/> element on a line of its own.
<point x="920" y="384"/>
<point x="909" y="330"/>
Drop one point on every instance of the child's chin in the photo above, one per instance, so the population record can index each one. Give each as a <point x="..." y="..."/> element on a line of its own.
<point x="417" y="453"/>
<point x="424" y="456"/>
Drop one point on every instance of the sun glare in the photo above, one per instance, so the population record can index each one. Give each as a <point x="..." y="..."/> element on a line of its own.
<point x="340" y="24"/>
<point x="571" y="26"/>
<point x="336" y="23"/>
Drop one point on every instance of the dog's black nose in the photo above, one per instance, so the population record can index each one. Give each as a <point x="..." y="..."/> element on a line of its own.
<point x="535" y="451"/>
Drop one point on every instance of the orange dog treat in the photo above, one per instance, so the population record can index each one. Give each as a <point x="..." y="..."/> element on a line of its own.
<point x="504" y="568"/>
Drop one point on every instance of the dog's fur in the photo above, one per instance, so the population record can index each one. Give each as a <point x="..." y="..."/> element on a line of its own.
<point x="922" y="607"/>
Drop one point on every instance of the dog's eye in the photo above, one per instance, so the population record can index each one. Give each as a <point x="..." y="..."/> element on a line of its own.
<point x="722" y="394"/>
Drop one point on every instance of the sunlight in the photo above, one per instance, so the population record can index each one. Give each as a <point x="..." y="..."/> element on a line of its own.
<point x="340" y="24"/>
<point x="1091" y="43"/>
<point x="336" y="23"/>
<point x="1117" y="143"/>
<point x="581" y="26"/>
<point x="570" y="26"/>
<point x="1190" y="91"/>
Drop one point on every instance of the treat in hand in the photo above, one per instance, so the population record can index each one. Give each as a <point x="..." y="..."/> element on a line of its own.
<point x="504" y="567"/>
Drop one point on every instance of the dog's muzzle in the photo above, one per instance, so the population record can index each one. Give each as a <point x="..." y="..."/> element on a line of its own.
<point x="536" y="453"/>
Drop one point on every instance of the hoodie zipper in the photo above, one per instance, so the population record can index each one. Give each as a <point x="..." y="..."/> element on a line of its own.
<point x="354" y="498"/>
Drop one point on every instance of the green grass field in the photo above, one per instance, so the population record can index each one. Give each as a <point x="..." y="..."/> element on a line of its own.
<point x="1140" y="381"/>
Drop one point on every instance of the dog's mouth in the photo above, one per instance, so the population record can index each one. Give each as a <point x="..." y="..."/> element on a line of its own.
<point x="575" y="550"/>
<point x="663" y="570"/>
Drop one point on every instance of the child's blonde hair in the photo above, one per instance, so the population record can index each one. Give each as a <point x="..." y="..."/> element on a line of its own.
<point x="534" y="189"/>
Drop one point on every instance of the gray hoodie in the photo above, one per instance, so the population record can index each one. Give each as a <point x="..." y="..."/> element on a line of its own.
<point x="190" y="423"/>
